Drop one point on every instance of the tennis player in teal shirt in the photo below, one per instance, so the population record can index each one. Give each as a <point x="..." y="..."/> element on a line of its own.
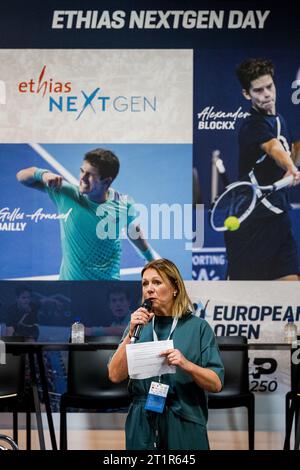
<point x="93" y="216"/>
<point x="199" y="369"/>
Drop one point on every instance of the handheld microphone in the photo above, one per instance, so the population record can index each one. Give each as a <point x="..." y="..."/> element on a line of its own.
<point x="147" y="304"/>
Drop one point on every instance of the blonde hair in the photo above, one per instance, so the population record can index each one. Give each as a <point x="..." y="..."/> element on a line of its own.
<point x="169" y="272"/>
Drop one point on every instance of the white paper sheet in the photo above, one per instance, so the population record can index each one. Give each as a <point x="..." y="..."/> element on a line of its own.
<point x="144" y="361"/>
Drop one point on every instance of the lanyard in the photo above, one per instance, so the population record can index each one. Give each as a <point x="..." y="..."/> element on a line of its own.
<point x="174" y="324"/>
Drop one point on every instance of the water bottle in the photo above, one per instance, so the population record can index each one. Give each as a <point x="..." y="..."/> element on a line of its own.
<point x="77" y="332"/>
<point x="290" y="331"/>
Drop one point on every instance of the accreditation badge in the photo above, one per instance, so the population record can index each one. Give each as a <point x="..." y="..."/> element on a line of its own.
<point x="156" y="398"/>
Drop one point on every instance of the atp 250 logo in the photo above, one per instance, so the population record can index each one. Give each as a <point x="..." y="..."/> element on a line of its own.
<point x="263" y="366"/>
<point x="61" y="97"/>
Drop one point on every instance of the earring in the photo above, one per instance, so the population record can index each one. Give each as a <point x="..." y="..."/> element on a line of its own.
<point x="175" y="293"/>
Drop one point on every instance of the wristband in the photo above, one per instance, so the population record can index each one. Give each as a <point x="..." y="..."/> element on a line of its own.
<point x="38" y="174"/>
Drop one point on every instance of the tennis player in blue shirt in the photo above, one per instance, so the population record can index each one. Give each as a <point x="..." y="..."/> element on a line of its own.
<point x="97" y="214"/>
<point x="264" y="247"/>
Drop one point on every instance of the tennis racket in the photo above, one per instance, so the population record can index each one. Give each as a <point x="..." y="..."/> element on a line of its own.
<point x="240" y="199"/>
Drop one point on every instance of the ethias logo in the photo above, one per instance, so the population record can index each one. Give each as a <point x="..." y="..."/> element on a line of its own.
<point x="44" y="85"/>
<point x="62" y="101"/>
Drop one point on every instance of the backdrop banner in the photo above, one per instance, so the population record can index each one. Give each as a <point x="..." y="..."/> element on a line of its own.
<point x="252" y="309"/>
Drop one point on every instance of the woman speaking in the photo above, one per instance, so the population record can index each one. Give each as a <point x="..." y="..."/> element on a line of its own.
<point x="181" y="425"/>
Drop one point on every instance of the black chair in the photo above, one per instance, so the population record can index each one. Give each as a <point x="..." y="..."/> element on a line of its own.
<point x="13" y="396"/>
<point x="292" y="402"/>
<point x="235" y="392"/>
<point x="88" y="384"/>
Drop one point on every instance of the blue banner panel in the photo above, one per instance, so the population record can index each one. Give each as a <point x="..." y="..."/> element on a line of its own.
<point x="145" y="24"/>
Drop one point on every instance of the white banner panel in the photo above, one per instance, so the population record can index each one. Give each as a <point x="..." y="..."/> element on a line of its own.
<point x="82" y="96"/>
<point x="259" y="311"/>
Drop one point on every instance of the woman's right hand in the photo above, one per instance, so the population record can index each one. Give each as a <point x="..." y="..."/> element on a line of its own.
<point x="141" y="316"/>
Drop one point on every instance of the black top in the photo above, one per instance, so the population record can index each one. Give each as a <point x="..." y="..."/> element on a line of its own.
<point x="257" y="129"/>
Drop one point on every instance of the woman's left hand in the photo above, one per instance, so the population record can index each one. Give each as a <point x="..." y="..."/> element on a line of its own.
<point x="175" y="358"/>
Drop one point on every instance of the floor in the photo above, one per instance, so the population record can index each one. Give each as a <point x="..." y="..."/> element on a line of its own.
<point x="115" y="440"/>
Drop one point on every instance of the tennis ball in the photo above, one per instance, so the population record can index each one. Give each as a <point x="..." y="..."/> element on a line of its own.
<point x="232" y="223"/>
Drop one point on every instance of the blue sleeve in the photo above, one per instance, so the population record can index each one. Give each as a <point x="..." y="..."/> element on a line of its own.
<point x="57" y="195"/>
<point x="210" y="353"/>
<point x="254" y="134"/>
